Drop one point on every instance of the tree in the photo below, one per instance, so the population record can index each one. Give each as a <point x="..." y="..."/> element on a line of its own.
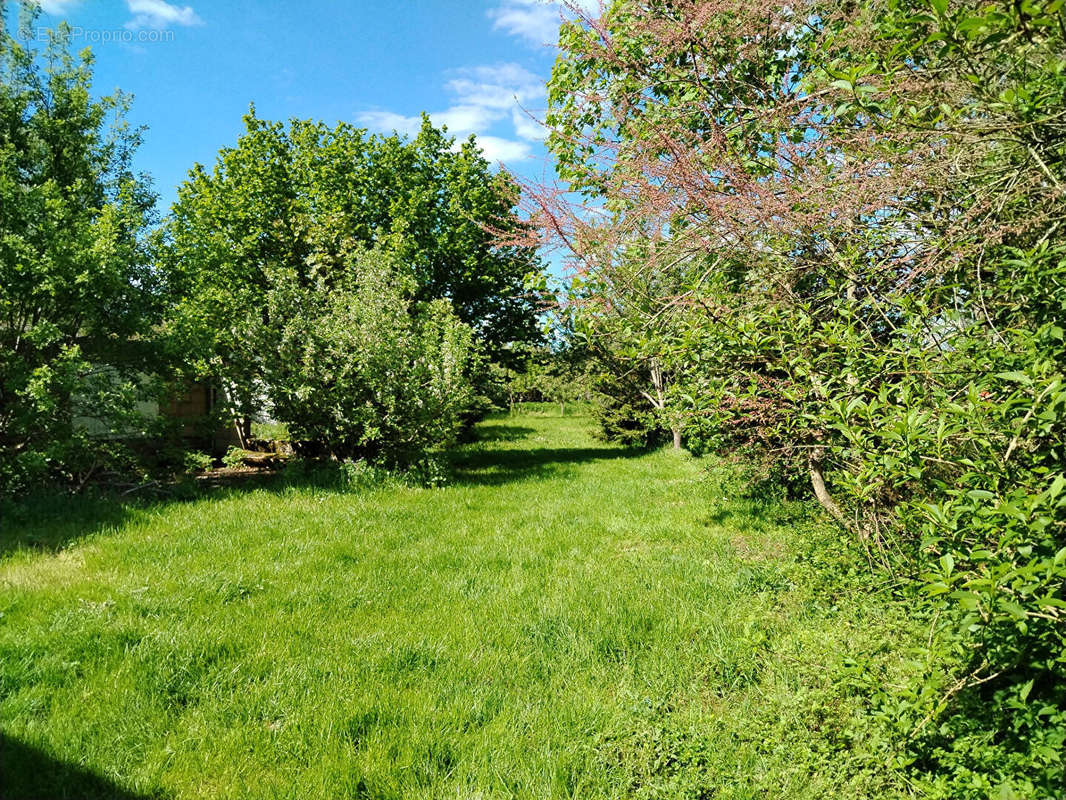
<point x="625" y="318"/>
<point x="77" y="292"/>
<point x="550" y="375"/>
<point x="859" y="207"/>
<point x="293" y="209"/>
<point x="301" y="197"/>
<point x="454" y="224"/>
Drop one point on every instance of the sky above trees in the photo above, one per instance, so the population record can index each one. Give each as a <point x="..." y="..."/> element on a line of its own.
<point x="477" y="67"/>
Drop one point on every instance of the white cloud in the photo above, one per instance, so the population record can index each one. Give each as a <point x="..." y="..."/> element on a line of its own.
<point x="389" y="122"/>
<point x="57" y="7"/>
<point x="485" y="97"/>
<point x="463" y="120"/>
<point x="537" y="21"/>
<point x="488" y="97"/>
<point x="528" y="127"/>
<point x="160" y="14"/>
<point x="497" y="87"/>
<point x="496" y="149"/>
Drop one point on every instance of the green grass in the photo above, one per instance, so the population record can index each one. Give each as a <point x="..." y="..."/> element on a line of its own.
<point x="270" y="431"/>
<point x="566" y="619"/>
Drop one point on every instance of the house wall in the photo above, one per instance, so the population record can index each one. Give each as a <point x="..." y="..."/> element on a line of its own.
<point x="191" y="405"/>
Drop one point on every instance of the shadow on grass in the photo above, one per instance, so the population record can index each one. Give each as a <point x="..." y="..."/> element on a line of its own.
<point x="497" y="467"/>
<point x="27" y="773"/>
<point x="48" y="523"/>
<point x="758" y="513"/>
<point x="502" y="433"/>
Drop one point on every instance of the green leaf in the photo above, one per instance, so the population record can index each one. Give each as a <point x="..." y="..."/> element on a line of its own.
<point x="1023" y="693"/>
<point x="1015" y="377"/>
<point x="1056" y="487"/>
<point x="1015" y="610"/>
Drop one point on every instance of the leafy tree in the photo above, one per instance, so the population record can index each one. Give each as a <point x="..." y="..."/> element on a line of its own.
<point x="286" y="218"/>
<point x="625" y="319"/>
<point x="454" y="223"/>
<point x="550" y="375"/>
<point x="298" y="200"/>
<point x="859" y="206"/>
<point x="77" y="292"/>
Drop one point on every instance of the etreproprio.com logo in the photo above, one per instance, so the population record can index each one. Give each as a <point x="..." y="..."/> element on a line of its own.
<point x="100" y="35"/>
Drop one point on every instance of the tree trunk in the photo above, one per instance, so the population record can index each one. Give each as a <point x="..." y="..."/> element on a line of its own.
<point x="244" y="430"/>
<point x="677" y="438"/>
<point x="814" y="467"/>
<point x="658" y="402"/>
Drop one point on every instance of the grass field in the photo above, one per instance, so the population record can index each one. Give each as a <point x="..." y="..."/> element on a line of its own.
<point x="565" y="619"/>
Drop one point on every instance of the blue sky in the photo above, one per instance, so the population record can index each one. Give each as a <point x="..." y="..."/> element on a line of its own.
<point x="194" y="68"/>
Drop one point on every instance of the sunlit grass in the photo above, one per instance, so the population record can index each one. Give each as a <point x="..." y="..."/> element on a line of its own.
<point x="567" y="619"/>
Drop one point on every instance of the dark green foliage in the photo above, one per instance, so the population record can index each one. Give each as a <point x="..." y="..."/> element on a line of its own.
<point x="357" y="369"/>
<point x="300" y="198"/>
<point x="624" y="413"/>
<point x="543" y="375"/>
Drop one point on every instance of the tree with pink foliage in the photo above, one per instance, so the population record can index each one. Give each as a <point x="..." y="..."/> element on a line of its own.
<point x="837" y="227"/>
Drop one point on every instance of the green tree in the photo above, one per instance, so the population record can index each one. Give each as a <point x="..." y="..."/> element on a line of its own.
<point x="454" y="222"/>
<point x="77" y="297"/>
<point x="357" y="368"/>
<point x="301" y="196"/>
<point x="293" y="209"/>
<point x="860" y="207"/>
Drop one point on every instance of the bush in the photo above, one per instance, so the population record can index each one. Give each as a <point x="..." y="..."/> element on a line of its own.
<point x="361" y="371"/>
<point x="195" y="461"/>
<point x="233" y="458"/>
<point x="838" y="228"/>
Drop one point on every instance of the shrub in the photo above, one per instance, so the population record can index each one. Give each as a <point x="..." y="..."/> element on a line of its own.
<point x="195" y="461"/>
<point x="360" y="369"/>
<point x="233" y="458"/>
<point x="839" y="228"/>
